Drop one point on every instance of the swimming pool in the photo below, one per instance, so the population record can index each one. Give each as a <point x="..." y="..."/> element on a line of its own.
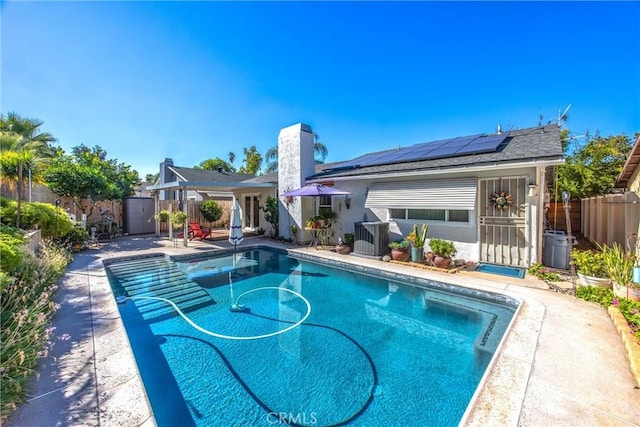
<point x="373" y="351"/>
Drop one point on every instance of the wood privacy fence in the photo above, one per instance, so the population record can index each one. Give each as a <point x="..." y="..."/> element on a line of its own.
<point x="42" y="194"/>
<point x="195" y="215"/>
<point x="611" y="219"/>
<point x="558" y="219"/>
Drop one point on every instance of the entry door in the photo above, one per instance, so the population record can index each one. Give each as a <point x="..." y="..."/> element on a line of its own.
<point x="251" y="212"/>
<point x="503" y="234"/>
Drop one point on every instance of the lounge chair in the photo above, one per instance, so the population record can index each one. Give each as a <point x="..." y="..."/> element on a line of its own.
<point x="198" y="232"/>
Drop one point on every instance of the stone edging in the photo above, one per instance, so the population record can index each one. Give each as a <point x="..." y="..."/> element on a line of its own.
<point x="630" y="343"/>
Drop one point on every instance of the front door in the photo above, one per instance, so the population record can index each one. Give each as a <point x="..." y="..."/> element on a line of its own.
<point x="503" y="218"/>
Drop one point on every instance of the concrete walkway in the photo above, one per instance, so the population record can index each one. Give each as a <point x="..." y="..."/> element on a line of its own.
<point x="562" y="363"/>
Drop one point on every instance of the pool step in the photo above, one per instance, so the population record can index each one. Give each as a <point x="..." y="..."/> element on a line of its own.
<point x="158" y="277"/>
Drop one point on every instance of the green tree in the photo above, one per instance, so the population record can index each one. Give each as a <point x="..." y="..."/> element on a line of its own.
<point x="211" y="210"/>
<point x="252" y="161"/>
<point x="32" y="146"/>
<point x="216" y="164"/>
<point x="88" y="174"/>
<point x="592" y="169"/>
<point x="319" y="149"/>
<point x="151" y="177"/>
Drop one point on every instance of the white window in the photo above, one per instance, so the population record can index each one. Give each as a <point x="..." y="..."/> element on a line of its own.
<point x="431" y="215"/>
<point x="324" y="205"/>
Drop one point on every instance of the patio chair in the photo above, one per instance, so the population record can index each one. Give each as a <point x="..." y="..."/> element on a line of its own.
<point x="198" y="232"/>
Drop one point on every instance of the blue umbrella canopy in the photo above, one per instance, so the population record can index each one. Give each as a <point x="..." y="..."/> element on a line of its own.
<point x="316" y="190"/>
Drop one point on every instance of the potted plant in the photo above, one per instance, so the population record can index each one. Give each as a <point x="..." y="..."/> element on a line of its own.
<point x="313" y="223"/>
<point x="178" y="219"/>
<point x="400" y="250"/>
<point x="345" y="246"/>
<point x="619" y="264"/>
<point x="443" y="251"/>
<point x="417" y="239"/>
<point x="592" y="270"/>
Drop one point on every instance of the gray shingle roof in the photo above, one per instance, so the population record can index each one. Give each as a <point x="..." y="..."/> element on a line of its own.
<point x="205" y="175"/>
<point x="539" y="143"/>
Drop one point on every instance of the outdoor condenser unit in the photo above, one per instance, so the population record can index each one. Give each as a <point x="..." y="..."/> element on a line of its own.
<point x="371" y="238"/>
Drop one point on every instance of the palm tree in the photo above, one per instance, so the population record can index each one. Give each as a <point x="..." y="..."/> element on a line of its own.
<point x="319" y="149"/>
<point x="23" y="137"/>
<point x="232" y="157"/>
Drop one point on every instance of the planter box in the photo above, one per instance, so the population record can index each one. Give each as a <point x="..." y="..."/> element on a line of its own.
<point x="594" y="281"/>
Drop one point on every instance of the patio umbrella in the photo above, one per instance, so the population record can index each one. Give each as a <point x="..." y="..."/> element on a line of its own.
<point x="315" y="190"/>
<point x="235" y="237"/>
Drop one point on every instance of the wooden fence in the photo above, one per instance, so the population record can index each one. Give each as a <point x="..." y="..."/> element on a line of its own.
<point x="97" y="211"/>
<point x="558" y="219"/>
<point x="195" y="215"/>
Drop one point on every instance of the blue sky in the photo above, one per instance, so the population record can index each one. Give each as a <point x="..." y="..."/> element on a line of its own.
<point x="191" y="81"/>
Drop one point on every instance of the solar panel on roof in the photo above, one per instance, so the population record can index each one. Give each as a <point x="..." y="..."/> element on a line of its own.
<point x="466" y="145"/>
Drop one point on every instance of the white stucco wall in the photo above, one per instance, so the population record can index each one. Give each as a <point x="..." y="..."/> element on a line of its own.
<point x="295" y="163"/>
<point x="464" y="236"/>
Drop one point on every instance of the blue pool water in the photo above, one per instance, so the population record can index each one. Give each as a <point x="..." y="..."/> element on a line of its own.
<point x="373" y="351"/>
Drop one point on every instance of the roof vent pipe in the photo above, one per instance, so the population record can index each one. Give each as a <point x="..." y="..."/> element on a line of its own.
<point x="499" y="129"/>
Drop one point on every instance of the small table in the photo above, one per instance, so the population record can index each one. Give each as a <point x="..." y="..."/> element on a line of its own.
<point x="316" y="234"/>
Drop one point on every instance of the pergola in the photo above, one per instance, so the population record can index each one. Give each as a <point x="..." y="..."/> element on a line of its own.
<point x="185" y="186"/>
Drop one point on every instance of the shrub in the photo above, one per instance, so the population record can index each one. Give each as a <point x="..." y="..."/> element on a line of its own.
<point x="211" y="210"/>
<point x="53" y="222"/>
<point x="78" y="234"/>
<point x="271" y="215"/>
<point x="543" y="273"/>
<point x="597" y="294"/>
<point x="631" y="312"/>
<point x="26" y="309"/>
<point x="589" y="263"/>
<point x="10" y="249"/>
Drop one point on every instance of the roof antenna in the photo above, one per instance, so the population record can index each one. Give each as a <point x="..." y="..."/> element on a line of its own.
<point x="562" y="117"/>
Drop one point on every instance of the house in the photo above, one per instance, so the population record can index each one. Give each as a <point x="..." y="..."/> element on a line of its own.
<point x="485" y="192"/>
<point x="629" y="178"/>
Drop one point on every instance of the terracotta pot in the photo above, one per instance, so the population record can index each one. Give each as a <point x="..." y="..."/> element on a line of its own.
<point x="400" y="254"/>
<point x="442" y="262"/>
<point x="343" y="249"/>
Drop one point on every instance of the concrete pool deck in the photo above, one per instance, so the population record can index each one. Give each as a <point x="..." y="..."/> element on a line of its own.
<point x="562" y="363"/>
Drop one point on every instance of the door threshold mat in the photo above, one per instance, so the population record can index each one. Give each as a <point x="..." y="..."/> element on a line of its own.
<point x="501" y="270"/>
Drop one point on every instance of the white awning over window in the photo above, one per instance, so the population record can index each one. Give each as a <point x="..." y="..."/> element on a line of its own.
<point x="428" y="194"/>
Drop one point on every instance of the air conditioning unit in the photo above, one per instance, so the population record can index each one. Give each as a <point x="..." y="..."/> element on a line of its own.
<point x="371" y="239"/>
